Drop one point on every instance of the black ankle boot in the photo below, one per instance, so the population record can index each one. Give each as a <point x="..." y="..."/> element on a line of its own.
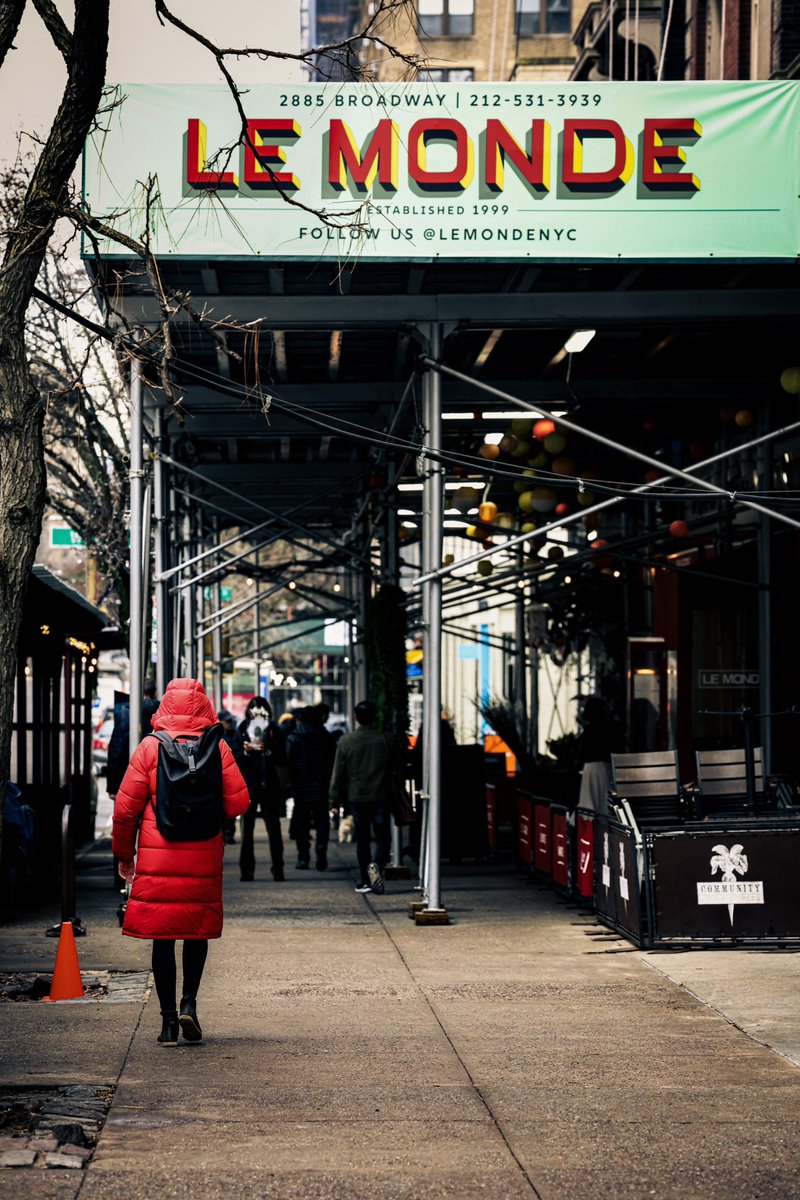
<point x="169" y="1029"/>
<point x="190" y="1026"/>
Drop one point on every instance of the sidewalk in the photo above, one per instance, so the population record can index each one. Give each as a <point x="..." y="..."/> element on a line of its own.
<point x="523" y="1051"/>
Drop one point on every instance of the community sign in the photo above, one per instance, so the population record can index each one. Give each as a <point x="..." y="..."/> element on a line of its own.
<point x="637" y="171"/>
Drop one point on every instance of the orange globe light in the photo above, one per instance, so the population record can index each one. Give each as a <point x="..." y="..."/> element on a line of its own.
<point x="487" y="511"/>
<point x="744" y="418"/>
<point x="489" y="451"/>
<point x="543" y="429"/>
<point x="679" y="529"/>
<point x="562" y="509"/>
<point x="790" y="380"/>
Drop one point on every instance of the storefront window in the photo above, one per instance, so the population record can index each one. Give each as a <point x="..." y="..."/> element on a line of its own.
<point x="446" y="18"/>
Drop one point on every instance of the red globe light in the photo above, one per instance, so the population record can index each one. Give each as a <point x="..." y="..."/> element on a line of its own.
<point x="543" y="429"/>
<point x="679" y="529"/>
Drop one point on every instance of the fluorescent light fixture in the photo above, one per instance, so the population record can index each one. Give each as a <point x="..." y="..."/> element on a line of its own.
<point x="591" y="535"/>
<point x="409" y="487"/>
<point x="559" y="412"/>
<point x="493" y="439"/>
<point x="458" y="416"/>
<point x="454" y="524"/>
<point x="579" y="340"/>
<point x="406" y="512"/>
<point x="410" y="525"/>
<point x="494" y="415"/>
<point x="477" y="484"/>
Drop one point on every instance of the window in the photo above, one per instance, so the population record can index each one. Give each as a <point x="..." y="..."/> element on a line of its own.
<point x="446" y="18"/>
<point x="543" y="16"/>
<point x="448" y="75"/>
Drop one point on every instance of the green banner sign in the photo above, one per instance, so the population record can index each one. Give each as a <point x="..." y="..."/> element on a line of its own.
<point x="661" y="171"/>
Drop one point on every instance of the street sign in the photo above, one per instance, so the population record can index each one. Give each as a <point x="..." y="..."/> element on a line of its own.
<point x="64" y="538"/>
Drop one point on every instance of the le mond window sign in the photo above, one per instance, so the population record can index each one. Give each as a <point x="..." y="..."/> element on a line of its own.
<point x="736" y="677"/>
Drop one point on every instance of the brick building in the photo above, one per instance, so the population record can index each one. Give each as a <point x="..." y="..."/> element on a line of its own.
<point x="481" y="40"/>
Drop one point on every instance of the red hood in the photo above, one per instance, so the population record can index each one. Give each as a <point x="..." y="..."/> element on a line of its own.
<point x="185" y="708"/>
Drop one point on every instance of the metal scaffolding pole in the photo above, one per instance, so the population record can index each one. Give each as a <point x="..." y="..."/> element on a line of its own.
<point x="163" y="665"/>
<point x="189" y="655"/>
<point x="216" y="637"/>
<point x="136" y="626"/>
<point x="433" y="504"/>
<point x="520" y="658"/>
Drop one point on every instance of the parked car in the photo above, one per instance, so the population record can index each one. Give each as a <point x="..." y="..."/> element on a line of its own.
<point x="102" y="736"/>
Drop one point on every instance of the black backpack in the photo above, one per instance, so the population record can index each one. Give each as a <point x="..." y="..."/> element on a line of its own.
<point x="188" y="804"/>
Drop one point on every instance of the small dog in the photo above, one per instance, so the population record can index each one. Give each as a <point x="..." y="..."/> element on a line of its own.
<point x="346" y="829"/>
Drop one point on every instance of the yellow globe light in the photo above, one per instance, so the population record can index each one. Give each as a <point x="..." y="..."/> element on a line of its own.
<point x="744" y="418"/>
<point x="790" y="380"/>
<point x="485" y="567"/>
<point x="528" y="527"/>
<point x="554" y="443"/>
<point x="526" y="502"/>
<point x="487" y="511"/>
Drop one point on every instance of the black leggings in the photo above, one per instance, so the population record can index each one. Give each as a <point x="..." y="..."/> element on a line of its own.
<point x="164" y="972"/>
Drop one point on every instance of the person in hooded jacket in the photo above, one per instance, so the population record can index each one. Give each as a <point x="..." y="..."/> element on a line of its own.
<point x="310" y="752"/>
<point x="176" y="891"/>
<point x="263" y="764"/>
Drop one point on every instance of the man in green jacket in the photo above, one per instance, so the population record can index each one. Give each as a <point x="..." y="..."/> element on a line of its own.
<point x="361" y="779"/>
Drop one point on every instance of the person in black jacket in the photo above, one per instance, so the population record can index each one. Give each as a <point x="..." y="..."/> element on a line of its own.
<point x="231" y="735"/>
<point x="263" y="764"/>
<point x="310" y="752"/>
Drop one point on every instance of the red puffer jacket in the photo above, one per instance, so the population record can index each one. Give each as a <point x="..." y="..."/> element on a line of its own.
<point x="177" y="889"/>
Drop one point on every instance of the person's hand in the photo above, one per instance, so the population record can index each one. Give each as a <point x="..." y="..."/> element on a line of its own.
<point x="126" y="870"/>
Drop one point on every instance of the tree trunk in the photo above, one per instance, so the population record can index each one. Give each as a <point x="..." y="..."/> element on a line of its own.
<point x="22" y="488"/>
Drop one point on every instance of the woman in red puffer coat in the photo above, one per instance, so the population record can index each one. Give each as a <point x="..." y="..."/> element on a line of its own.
<point x="177" y="886"/>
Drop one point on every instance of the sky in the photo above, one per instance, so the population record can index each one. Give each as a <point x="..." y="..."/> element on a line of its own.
<point x="141" y="50"/>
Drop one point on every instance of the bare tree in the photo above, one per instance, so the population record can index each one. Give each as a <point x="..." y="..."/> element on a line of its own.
<point x="24" y="385"/>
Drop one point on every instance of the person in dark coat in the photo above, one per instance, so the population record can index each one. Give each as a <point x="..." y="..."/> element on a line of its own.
<point x="263" y="764"/>
<point x="310" y="752"/>
<point x="233" y="739"/>
<point x="176" y="891"/>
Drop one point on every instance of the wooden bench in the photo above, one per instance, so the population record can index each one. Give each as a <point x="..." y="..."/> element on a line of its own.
<point x="650" y="784"/>
<point x="722" y="782"/>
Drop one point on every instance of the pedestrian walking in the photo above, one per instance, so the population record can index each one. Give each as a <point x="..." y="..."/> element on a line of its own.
<point x="361" y="780"/>
<point x="176" y="892"/>
<point x="233" y="739"/>
<point x="263" y="764"/>
<point x="310" y="752"/>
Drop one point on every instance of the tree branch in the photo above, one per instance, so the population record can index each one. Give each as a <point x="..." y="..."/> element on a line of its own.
<point x="58" y="31"/>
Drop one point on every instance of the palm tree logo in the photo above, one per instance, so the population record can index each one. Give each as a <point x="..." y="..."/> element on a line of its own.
<point x="731" y="863"/>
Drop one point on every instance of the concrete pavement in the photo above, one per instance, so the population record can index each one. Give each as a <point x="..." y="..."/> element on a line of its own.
<point x="522" y="1051"/>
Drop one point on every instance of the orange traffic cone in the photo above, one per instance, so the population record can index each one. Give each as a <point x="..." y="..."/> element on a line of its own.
<point x="67" y="983"/>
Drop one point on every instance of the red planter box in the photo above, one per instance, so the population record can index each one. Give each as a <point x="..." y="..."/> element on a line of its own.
<point x="584" y="882"/>
<point x="560" y="846"/>
<point x="524" y="830"/>
<point x="542" y="847"/>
